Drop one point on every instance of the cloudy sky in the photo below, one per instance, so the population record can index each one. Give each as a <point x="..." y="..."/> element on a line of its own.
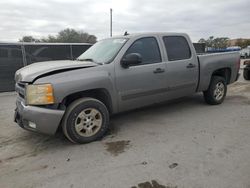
<point x="198" y="18"/>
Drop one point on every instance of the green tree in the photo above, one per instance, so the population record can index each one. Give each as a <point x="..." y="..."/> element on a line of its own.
<point x="28" y="39"/>
<point x="202" y="40"/>
<point x="219" y="42"/>
<point x="71" y="36"/>
<point x="67" y="35"/>
<point x="243" y="43"/>
<point x="50" y="38"/>
<point x="246" y="43"/>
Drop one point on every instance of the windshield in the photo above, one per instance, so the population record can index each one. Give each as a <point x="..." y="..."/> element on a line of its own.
<point x="103" y="51"/>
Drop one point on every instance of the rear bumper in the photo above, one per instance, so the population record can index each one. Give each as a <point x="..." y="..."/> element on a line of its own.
<point x="45" y="120"/>
<point x="237" y="77"/>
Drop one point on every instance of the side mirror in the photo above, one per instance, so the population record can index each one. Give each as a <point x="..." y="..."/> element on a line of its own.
<point x="131" y="59"/>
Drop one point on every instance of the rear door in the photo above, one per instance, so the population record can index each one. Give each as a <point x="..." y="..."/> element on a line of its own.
<point x="182" y="66"/>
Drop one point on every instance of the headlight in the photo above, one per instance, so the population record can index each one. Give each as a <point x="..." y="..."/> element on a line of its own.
<point x="39" y="94"/>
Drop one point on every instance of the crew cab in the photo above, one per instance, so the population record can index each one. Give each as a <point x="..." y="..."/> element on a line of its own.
<point x="115" y="75"/>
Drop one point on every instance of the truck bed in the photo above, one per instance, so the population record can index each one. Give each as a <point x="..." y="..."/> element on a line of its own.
<point x="210" y="62"/>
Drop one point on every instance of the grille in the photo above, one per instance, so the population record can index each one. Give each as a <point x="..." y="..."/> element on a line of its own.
<point x="20" y="89"/>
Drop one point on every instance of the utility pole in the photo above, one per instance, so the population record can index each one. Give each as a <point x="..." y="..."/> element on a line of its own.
<point x="111" y="26"/>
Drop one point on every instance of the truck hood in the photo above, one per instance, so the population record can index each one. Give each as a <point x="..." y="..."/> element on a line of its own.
<point x="33" y="71"/>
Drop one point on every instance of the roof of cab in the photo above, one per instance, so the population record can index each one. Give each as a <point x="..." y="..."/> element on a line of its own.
<point x="148" y="33"/>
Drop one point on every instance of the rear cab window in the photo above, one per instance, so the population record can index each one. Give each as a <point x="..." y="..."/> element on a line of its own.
<point x="177" y="48"/>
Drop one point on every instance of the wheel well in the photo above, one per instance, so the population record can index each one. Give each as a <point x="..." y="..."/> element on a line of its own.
<point x="99" y="94"/>
<point x="224" y="72"/>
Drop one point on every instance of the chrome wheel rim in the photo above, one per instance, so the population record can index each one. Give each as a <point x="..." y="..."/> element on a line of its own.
<point x="219" y="91"/>
<point x="88" y="122"/>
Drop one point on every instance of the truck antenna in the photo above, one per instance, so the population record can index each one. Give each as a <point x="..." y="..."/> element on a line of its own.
<point x="126" y="33"/>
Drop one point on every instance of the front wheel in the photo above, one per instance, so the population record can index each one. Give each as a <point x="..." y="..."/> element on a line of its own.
<point x="217" y="91"/>
<point x="85" y="120"/>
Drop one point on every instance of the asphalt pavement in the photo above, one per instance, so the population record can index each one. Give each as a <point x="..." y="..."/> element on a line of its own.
<point x="184" y="143"/>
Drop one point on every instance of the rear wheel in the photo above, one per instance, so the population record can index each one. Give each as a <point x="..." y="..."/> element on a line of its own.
<point x="246" y="73"/>
<point x="216" y="92"/>
<point x="85" y="120"/>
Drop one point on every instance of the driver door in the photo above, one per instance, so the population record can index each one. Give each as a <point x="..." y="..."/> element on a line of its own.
<point x="142" y="84"/>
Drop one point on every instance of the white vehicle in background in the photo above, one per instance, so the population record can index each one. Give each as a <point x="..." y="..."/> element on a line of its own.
<point x="245" y="52"/>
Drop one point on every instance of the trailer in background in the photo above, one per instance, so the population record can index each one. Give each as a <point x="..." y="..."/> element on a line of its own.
<point x="219" y="50"/>
<point x="14" y="56"/>
<point x="200" y="48"/>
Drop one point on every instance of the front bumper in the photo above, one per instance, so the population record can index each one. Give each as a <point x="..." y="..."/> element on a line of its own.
<point x="45" y="120"/>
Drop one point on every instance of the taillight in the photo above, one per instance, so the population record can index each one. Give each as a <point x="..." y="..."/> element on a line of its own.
<point x="238" y="64"/>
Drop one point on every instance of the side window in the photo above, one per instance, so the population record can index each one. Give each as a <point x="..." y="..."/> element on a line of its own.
<point x="177" y="48"/>
<point x="148" y="48"/>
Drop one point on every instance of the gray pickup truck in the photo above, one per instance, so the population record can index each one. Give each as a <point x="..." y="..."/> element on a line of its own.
<point x="116" y="75"/>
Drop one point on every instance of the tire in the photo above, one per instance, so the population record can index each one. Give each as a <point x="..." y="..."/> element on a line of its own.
<point x="85" y="120"/>
<point x="217" y="84"/>
<point x="246" y="74"/>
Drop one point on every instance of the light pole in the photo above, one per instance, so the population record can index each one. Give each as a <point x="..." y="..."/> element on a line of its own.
<point x="111" y="11"/>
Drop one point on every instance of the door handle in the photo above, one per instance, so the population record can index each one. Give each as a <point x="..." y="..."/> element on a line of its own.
<point x="159" y="70"/>
<point x="191" y="65"/>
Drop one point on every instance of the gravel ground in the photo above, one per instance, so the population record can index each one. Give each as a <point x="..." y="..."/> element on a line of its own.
<point x="184" y="143"/>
